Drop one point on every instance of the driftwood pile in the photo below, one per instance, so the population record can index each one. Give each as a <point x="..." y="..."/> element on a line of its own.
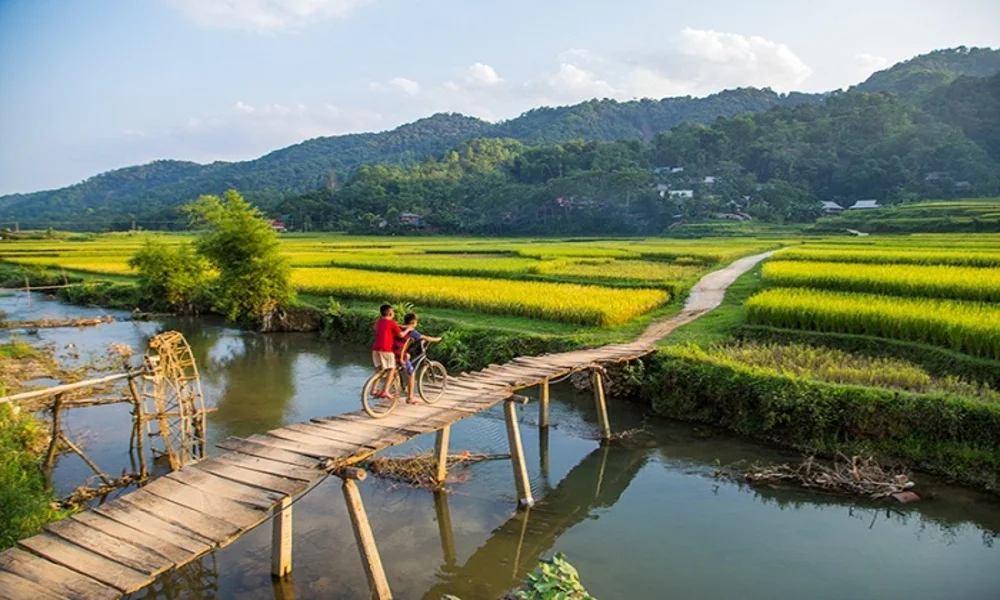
<point x="421" y="470"/>
<point x="854" y="476"/>
<point x="51" y="323"/>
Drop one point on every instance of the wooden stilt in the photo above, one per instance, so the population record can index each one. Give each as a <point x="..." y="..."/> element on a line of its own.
<point x="444" y="528"/>
<point x="50" y="454"/>
<point x="370" y="559"/>
<point x="543" y="454"/>
<point x="441" y="455"/>
<point x="521" y="481"/>
<point x="602" y="408"/>
<point x="543" y="404"/>
<point x="281" y="539"/>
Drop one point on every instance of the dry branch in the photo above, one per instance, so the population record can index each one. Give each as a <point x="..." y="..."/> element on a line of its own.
<point x="421" y="470"/>
<point x="856" y="476"/>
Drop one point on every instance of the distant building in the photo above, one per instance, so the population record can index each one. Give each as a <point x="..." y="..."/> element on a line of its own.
<point x="411" y="219"/>
<point x="677" y="169"/>
<point x="683" y="194"/>
<point x="667" y="170"/>
<point x="278" y="225"/>
<point x="662" y="189"/>
<point x="935" y="175"/>
<point x="831" y="208"/>
<point x="709" y="179"/>
<point x="864" y="204"/>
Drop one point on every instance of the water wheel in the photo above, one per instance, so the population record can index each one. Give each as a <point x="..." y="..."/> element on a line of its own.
<point x="174" y="409"/>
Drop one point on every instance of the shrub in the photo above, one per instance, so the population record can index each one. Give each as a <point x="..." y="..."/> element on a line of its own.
<point x="172" y="276"/>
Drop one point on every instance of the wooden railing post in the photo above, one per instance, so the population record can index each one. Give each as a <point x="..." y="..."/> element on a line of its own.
<point x="441" y="455"/>
<point x="281" y="539"/>
<point x="521" y="481"/>
<point x="599" y="401"/>
<point x="543" y="404"/>
<point x="363" y="535"/>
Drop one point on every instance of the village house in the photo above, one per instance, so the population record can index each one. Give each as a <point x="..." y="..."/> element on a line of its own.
<point x="831" y="208"/>
<point x="411" y="219"/>
<point x="278" y="225"/>
<point x="682" y="194"/>
<point x="864" y="204"/>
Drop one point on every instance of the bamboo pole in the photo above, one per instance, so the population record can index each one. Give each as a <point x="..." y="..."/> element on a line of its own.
<point x="543" y="404"/>
<point x="60" y="389"/>
<point x="363" y="535"/>
<point x="50" y="455"/>
<point x="602" y="408"/>
<point x="521" y="481"/>
<point x="85" y="458"/>
<point x="137" y="424"/>
<point x="281" y="539"/>
<point x="441" y="455"/>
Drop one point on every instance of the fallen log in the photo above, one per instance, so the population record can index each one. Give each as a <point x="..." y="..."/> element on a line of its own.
<point x="53" y="323"/>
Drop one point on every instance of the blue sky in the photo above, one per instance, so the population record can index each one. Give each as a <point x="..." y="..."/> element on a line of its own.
<point x="88" y="86"/>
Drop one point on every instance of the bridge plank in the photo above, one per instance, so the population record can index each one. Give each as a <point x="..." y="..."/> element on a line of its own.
<point x="156" y="544"/>
<point x="56" y="579"/>
<point x="234" y="513"/>
<point x="336" y="448"/>
<point x="132" y="517"/>
<point x="355" y="440"/>
<point x="225" y="488"/>
<point x="307" y="450"/>
<point x="253" y="448"/>
<point x="69" y="555"/>
<point x="18" y="588"/>
<point x="217" y="530"/>
<point x="120" y="551"/>
<point x="265" y="481"/>
<point x="272" y="467"/>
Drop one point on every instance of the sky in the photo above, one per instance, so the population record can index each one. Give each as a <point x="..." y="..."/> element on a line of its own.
<point x="89" y="86"/>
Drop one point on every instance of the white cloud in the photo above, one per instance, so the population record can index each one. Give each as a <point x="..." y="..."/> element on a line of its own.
<point x="264" y="15"/>
<point x="869" y="63"/>
<point x="410" y="87"/>
<point x="696" y="62"/>
<point x="480" y="74"/>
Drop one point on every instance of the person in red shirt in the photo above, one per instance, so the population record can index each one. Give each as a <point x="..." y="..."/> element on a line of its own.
<point x="386" y="331"/>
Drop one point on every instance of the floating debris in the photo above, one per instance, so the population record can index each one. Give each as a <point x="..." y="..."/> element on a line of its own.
<point x="856" y="476"/>
<point x="421" y="470"/>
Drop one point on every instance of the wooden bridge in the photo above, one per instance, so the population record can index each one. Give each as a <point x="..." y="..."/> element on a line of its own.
<point x="124" y="545"/>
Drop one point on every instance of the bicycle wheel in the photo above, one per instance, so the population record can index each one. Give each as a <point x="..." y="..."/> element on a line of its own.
<point x="432" y="381"/>
<point x="377" y="406"/>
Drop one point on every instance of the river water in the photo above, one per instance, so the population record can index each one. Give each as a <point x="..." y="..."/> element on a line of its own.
<point x="642" y="519"/>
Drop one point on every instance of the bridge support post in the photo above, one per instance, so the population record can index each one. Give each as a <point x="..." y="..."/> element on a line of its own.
<point x="363" y="535"/>
<point x="543" y="404"/>
<point x="521" y="481"/>
<point x="597" y="378"/>
<point x="441" y="455"/>
<point x="281" y="539"/>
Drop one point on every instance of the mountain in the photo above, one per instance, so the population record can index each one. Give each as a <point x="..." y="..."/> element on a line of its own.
<point x="152" y="192"/>
<point x="921" y="74"/>
<point x="972" y="104"/>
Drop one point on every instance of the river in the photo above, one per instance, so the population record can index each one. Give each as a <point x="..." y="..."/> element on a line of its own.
<point x="642" y="519"/>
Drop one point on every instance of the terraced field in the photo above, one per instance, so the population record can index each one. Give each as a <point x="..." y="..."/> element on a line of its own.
<point x="593" y="282"/>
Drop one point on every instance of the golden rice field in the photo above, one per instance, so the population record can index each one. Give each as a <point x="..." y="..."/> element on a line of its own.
<point x="971" y="256"/>
<point x="935" y="281"/>
<point x="970" y="327"/>
<point x="583" y="304"/>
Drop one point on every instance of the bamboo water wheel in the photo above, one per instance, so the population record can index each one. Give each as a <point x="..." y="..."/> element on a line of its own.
<point x="174" y="409"/>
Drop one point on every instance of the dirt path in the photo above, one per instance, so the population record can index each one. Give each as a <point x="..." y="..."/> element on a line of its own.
<point x="706" y="295"/>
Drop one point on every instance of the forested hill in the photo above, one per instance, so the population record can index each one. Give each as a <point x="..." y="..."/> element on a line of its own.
<point x="926" y="72"/>
<point x="152" y="192"/>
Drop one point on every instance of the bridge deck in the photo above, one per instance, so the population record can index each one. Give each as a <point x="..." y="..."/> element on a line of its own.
<point x="123" y="545"/>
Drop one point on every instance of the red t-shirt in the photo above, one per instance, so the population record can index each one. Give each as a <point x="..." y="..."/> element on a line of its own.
<point x="386" y="330"/>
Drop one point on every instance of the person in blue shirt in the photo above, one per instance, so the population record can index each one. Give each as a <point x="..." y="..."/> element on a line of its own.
<point x="410" y="322"/>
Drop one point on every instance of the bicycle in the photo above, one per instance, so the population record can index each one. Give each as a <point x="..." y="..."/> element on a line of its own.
<point x="430" y="379"/>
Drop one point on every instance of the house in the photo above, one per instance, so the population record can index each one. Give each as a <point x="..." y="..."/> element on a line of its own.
<point x="411" y="219"/>
<point x="709" y="179"/>
<point x="278" y="225"/>
<point x="682" y="194"/>
<point x="831" y="208"/>
<point x="677" y="169"/>
<point x="864" y="204"/>
<point x="662" y="189"/>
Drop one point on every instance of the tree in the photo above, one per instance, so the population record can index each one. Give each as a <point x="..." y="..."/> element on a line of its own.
<point x="172" y="277"/>
<point x="254" y="284"/>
